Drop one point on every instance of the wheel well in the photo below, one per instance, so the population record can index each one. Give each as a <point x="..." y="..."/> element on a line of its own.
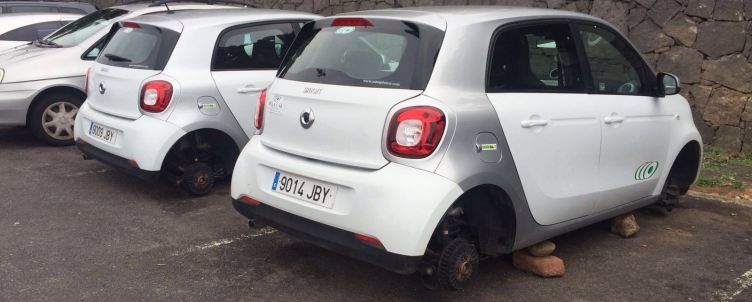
<point x="53" y="90"/>
<point x="684" y="170"/>
<point x="202" y="145"/>
<point x="489" y="214"/>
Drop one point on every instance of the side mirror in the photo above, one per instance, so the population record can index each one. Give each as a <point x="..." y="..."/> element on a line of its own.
<point x="668" y="84"/>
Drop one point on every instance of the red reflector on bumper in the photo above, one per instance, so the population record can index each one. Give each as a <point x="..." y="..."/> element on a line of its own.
<point x="250" y="200"/>
<point x="133" y="163"/>
<point x="372" y="241"/>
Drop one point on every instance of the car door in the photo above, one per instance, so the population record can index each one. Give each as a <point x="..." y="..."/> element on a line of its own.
<point x="635" y="123"/>
<point x="536" y="86"/>
<point x="245" y="61"/>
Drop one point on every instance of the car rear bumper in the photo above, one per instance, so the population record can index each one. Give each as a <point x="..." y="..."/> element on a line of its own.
<point x="115" y="161"/>
<point x="325" y="236"/>
<point x="398" y="205"/>
<point x="145" y="140"/>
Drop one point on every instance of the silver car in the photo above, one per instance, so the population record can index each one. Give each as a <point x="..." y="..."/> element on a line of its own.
<point x="42" y="84"/>
<point x="172" y="95"/>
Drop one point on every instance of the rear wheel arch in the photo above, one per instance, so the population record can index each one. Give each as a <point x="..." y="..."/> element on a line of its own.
<point x="686" y="165"/>
<point x="490" y="214"/>
<point x="188" y="147"/>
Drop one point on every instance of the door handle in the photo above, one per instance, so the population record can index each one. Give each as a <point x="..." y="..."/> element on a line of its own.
<point x="249" y="89"/>
<point x="613" y="119"/>
<point x="533" y="123"/>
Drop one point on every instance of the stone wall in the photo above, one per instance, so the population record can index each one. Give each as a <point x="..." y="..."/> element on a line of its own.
<point x="704" y="42"/>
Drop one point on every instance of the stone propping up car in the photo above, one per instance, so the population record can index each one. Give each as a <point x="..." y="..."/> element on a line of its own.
<point x="421" y="140"/>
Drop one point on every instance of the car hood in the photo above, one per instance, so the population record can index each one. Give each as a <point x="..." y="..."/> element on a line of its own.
<point x="28" y="63"/>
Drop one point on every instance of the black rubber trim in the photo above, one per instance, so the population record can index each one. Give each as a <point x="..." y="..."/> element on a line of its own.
<point x="115" y="161"/>
<point x="331" y="238"/>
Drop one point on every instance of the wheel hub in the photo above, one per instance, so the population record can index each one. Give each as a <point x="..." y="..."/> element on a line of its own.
<point x="58" y="120"/>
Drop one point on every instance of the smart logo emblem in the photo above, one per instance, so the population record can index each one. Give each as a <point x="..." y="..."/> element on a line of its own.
<point x="646" y="170"/>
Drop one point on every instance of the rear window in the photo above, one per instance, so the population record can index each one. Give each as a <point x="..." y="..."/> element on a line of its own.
<point x="139" y="46"/>
<point x="364" y="52"/>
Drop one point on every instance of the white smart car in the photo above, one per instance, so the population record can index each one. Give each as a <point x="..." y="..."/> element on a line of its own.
<point x="172" y="95"/>
<point x="419" y="139"/>
<point x="46" y="99"/>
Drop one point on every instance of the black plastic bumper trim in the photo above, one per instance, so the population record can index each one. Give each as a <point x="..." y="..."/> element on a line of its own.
<point x="331" y="238"/>
<point x="115" y="161"/>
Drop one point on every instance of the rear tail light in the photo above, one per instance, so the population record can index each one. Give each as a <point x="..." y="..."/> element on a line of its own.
<point x="86" y="84"/>
<point x="351" y="22"/>
<point x="258" y="119"/>
<point x="156" y="96"/>
<point x="368" y="240"/>
<point x="415" y="132"/>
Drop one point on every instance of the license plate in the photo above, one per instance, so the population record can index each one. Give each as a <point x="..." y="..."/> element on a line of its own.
<point x="304" y="188"/>
<point x="102" y="133"/>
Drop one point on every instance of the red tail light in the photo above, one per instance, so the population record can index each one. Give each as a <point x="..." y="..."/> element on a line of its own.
<point x="258" y="120"/>
<point x="86" y="84"/>
<point x="372" y="241"/>
<point x="351" y="22"/>
<point x="156" y="96"/>
<point x="415" y="132"/>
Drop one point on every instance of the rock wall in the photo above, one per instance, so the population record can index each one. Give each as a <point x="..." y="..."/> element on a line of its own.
<point x="705" y="42"/>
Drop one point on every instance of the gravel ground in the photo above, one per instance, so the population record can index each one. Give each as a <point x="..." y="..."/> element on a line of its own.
<point x="77" y="230"/>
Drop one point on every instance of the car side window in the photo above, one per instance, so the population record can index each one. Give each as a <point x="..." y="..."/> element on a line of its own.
<point x="253" y="47"/>
<point x="32" y="9"/>
<point x="69" y="10"/>
<point x="31" y="32"/>
<point x="535" y="58"/>
<point x="615" y="67"/>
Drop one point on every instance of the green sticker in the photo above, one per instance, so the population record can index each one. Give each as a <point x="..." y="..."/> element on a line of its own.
<point x="646" y="170"/>
<point x="488" y="147"/>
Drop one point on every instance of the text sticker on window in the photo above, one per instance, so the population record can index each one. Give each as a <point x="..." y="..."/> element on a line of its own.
<point x="345" y="30"/>
<point x="602" y="86"/>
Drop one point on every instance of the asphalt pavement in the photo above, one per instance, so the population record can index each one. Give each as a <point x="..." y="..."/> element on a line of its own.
<point x="78" y="230"/>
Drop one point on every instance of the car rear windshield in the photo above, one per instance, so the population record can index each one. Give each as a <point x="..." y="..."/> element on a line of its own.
<point x="139" y="46"/>
<point x="364" y="52"/>
<point x="83" y="28"/>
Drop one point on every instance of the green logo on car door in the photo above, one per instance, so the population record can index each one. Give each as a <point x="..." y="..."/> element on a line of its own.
<point x="646" y="170"/>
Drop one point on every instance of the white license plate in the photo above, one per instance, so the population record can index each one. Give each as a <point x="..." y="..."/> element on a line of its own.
<point x="304" y="188"/>
<point x="102" y="133"/>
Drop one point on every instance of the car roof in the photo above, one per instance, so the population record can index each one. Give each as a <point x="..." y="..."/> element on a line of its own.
<point x="205" y="18"/>
<point x="458" y="15"/>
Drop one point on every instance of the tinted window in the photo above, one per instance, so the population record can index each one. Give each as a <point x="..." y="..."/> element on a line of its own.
<point x="615" y="67"/>
<point x="535" y="58"/>
<point x="142" y="47"/>
<point x="254" y="47"/>
<point x="83" y="28"/>
<point x="383" y="53"/>
<point x="32" y="9"/>
<point x="31" y="32"/>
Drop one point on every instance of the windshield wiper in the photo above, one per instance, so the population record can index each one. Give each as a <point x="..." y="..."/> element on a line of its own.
<point x="116" y="58"/>
<point x="48" y="43"/>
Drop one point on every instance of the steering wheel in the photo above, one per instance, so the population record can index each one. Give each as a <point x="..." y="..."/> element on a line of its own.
<point x="627" y="88"/>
